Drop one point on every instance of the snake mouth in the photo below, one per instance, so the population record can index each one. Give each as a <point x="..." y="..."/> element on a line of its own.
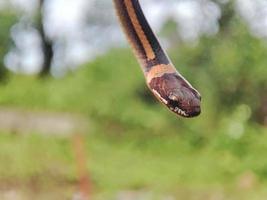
<point x="179" y="111"/>
<point x="192" y="113"/>
<point x="187" y="110"/>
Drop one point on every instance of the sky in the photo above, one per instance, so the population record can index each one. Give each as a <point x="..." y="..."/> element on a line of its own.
<point x="67" y="22"/>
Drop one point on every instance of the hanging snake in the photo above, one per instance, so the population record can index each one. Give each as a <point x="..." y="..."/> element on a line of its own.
<point x="165" y="82"/>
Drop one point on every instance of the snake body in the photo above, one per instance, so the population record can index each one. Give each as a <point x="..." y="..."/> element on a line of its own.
<point x="165" y="82"/>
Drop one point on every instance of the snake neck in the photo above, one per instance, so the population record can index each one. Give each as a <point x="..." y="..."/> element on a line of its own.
<point x="140" y="35"/>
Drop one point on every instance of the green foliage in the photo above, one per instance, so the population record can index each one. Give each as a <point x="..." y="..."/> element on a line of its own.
<point x="6" y="21"/>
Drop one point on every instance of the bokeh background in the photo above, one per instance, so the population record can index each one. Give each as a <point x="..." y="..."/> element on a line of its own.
<point x="77" y="119"/>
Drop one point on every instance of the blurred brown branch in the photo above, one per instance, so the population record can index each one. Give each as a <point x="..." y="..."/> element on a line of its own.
<point x="79" y="149"/>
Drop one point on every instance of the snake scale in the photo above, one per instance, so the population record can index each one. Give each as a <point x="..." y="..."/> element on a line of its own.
<point x="165" y="82"/>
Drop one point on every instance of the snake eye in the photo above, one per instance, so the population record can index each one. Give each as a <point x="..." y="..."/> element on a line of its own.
<point x="173" y="97"/>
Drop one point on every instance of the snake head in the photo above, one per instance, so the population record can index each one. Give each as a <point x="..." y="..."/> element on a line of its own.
<point x="177" y="94"/>
<point x="184" y="101"/>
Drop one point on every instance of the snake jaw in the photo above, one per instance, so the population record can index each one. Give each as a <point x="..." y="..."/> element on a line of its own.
<point x="179" y="111"/>
<point x="185" y="113"/>
<point x="174" y="105"/>
<point x="185" y="102"/>
<point x="176" y="109"/>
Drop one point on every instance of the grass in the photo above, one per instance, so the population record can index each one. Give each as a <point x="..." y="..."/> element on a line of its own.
<point x="162" y="164"/>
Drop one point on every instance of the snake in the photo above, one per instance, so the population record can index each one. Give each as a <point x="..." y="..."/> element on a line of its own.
<point x="162" y="78"/>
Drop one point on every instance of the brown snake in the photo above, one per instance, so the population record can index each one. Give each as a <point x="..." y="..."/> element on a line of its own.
<point x="165" y="82"/>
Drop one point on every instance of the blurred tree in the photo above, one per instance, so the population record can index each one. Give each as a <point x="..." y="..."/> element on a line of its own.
<point x="6" y="21"/>
<point x="32" y="48"/>
<point x="227" y="13"/>
<point x="46" y="43"/>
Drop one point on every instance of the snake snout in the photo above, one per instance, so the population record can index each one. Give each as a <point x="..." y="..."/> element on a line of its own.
<point x="194" y="110"/>
<point x="194" y="107"/>
<point x="187" y="100"/>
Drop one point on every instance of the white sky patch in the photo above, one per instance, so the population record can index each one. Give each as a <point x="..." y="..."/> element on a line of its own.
<point x="196" y="18"/>
<point x="18" y="59"/>
<point x="255" y="14"/>
<point x="64" y="17"/>
<point x="193" y="17"/>
<point x="154" y="11"/>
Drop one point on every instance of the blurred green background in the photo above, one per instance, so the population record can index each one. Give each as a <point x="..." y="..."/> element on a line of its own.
<point x="135" y="148"/>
